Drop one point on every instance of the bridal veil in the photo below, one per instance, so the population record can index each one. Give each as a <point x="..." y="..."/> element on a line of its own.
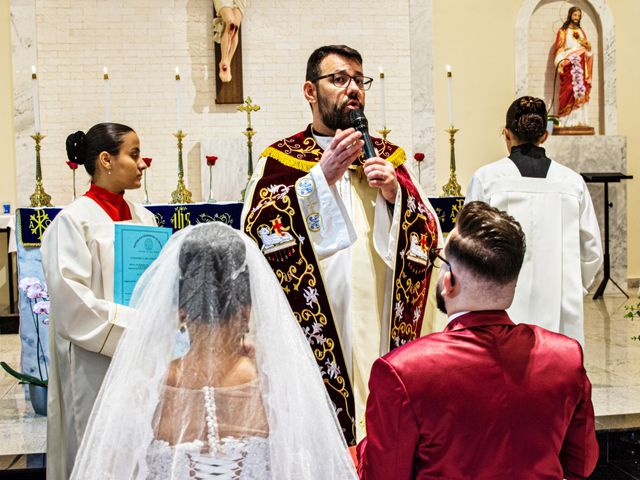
<point x="213" y="378"/>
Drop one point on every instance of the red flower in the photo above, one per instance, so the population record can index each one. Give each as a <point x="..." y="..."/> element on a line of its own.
<point x="211" y="160"/>
<point x="419" y="156"/>
<point x="147" y="160"/>
<point x="72" y="165"/>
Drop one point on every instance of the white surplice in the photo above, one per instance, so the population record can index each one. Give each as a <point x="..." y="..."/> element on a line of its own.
<point x="564" y="250"/>
<point x="356" y="249"/>
<point x="85" y="323"/>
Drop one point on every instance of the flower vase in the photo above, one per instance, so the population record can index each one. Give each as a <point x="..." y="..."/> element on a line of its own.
<point x="419" y="157"/>
<point x="146" y="194"/>
<point x="74" y="184"/>
<point x="38" y="396"/>
<point x="210" y="199"/>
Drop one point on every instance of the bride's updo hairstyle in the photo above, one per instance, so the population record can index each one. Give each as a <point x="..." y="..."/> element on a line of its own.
<point x="84" y="148"/>
<point x="214" y="277"/>
<point x="527" y="119"/>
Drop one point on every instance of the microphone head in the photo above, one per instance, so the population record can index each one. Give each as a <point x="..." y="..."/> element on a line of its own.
<point x="358" y="120"/>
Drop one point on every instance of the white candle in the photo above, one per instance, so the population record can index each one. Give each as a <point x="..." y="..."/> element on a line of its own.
<point x="36" y="98"/>
<point x="383" y="102"/>
<point x="450" y="89"/>
<point x="178" y="100"/>
<point x="105" y="76"/>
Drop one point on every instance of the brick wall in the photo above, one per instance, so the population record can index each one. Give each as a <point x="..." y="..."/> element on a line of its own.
<point x="142" y="41"/>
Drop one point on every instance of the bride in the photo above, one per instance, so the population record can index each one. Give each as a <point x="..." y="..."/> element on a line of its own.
<point x="214" y="379"/>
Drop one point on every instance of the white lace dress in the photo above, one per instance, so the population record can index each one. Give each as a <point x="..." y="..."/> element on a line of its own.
<point x="212" y="433"/>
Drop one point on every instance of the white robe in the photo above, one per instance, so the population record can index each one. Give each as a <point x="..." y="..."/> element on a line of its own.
<point x="78" y="262"/>
<point x="564" y="250"/>
<point x="356" y="251"/>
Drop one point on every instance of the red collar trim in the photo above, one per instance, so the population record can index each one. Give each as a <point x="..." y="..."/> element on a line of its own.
<point x="113" y="204"/>
<point x="480" y="318"/>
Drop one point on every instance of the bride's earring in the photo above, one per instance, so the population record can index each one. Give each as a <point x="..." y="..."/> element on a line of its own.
<point x="182" y="341"/>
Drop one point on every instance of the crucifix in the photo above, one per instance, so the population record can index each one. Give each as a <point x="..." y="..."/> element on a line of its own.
<point x="228" y="15"/>
<point x="249" y="132"/>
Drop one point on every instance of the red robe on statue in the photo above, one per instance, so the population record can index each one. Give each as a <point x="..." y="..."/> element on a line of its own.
<point x="577" y="65"/>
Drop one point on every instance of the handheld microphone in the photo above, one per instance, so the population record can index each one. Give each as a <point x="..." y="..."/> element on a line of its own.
<point x="360" y="123"/>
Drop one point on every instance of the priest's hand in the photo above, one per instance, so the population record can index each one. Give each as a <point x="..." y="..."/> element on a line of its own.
<point x="343" y="150"/>
<point x="381" y="174"/>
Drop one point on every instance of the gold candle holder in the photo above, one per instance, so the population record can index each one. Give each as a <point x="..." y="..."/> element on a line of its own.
<point x="452" y="188"/>
<point x="39" y="198"/>
<point x="180" y="194"/>
<point x="384" y="131"/>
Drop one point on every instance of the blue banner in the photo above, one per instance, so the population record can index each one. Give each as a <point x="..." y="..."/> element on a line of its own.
<point x="447" y="209"/>
<point x="31" y="223"/>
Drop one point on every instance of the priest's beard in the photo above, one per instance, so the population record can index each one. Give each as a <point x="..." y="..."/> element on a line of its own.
<point x="336" y="116"/>
<point x="440" y="299"/>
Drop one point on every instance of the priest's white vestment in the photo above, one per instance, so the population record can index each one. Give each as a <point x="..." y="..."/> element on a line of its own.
<point x="356" y="250"/>
<point x="564" y="250"/>
<point x="85" y="323"/>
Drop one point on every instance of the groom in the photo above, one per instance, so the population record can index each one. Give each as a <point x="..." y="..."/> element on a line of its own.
<point x="485" y="396"/>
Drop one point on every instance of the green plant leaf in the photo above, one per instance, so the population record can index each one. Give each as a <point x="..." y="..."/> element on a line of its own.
<point x="23" y="377"/>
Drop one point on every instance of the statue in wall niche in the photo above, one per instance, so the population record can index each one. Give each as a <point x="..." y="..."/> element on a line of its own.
<point x="574" y="67"/>
<point x="226" y="29"/>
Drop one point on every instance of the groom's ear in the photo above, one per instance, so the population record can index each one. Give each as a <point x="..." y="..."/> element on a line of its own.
<point x="449" y="285"/>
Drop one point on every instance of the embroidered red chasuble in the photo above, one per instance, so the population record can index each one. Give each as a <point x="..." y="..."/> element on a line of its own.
<point x="276" y="223"/>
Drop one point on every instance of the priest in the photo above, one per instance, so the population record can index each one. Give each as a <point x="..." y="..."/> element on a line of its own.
<point x="350" y="238"/>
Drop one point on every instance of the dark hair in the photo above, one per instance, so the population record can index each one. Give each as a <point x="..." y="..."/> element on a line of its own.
<point x="567" y="22"/>
<point x="84" y="148"/>
<point x="489" y="243"/>
<point x="214" y="279"/>
<point x="527" y="118"/>
<point x="313" y="64"/>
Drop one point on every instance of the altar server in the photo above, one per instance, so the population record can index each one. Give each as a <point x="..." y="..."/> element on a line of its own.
<point x="553" y="205"/>
<point x="78" y="262"/>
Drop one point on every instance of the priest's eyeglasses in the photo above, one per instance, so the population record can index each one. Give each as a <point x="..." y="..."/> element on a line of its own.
<point x="342" y="80"/>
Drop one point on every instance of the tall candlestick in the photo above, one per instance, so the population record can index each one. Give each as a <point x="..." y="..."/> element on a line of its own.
<point x="383" y="102"/>
<point x="105" y="77"/>
<point x="178" y="100"/>
<point x="36" y="98"/>
<point x="450" y="88"/>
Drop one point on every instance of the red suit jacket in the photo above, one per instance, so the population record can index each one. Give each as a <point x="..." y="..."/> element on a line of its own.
<point x="485" y="399"/>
